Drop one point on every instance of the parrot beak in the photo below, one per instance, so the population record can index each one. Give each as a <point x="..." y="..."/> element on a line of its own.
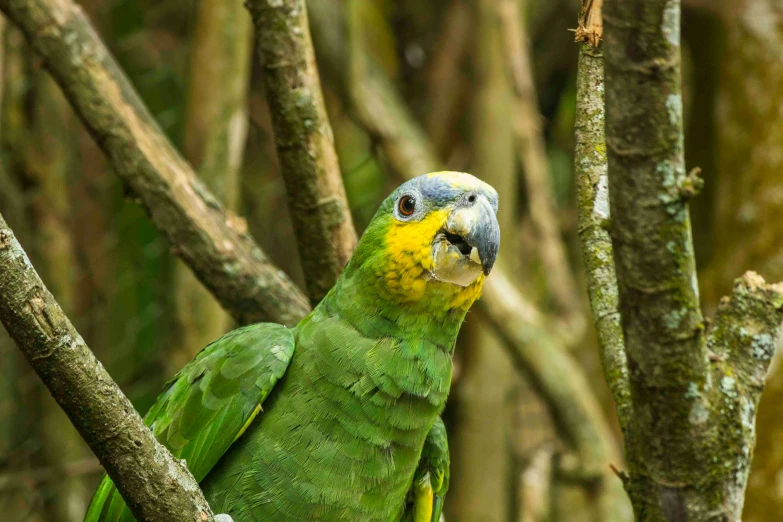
<point x="468" y="245"/>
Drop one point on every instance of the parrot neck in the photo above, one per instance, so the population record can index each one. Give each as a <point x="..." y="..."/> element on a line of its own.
<point x="409" y="343"/>
<point x="375" y="315"/>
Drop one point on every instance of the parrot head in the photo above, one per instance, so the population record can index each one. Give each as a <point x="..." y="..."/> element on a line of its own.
<point x="433" y="241"/>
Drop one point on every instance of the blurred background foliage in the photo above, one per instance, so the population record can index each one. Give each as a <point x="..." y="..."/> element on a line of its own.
<point x="192" y="63"/>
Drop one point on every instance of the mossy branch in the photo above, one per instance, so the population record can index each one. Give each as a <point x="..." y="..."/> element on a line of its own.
<point x="592" y="184"/>
<point x="211" y="240"/>
<point x="694" y="392"/>
<point x="305" y="145"/>
<point x="140" y="466"/>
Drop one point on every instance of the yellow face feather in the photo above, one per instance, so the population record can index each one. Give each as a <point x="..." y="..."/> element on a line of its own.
<point x="407" y="271"/>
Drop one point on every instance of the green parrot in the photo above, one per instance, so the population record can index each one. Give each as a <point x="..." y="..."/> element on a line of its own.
<point x="338" y="418"/>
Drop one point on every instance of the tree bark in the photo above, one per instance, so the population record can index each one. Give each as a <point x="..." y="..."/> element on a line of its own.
<point x="140" y="467"/>
<point x="694" y="391"/>
<point x="593" y="207"/>
<point x="305" y="144"/>
<point x="749" y="202"/>
<point x="211" y="240"/>
<point x="216" y="123"/>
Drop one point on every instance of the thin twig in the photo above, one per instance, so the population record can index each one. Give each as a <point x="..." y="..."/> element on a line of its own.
<point x="593" y="212"/>
<point x="591" y="23"/>
<point x="445" y="82"/>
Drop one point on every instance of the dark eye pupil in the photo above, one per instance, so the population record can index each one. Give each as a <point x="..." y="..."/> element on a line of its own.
<point x="407" y="205"/>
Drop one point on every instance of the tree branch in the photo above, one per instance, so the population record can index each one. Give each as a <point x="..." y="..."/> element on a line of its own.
<point x="593" y="208"/>
<point x="540" y="355"/>
<point x="305" y="145"/>
<point x="212" y="241"/>
<point x="694" y="396"/>
<point x="378" y="105"/>
<point x="653" y="251"/>
<point x="140" y="466"/>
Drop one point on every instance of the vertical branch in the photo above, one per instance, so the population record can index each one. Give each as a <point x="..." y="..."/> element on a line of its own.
<point x="690" y="438"/>
<point x="748" y="207"/>
<point x="531" y="149"/>
<point x="138" y="464"/>
<point x="653" y="248"/>
<point x="445" y="82"/>
<point x="305" y="145"/>
<point x="215" y="133"/>
<point x="380" y="107"/>
<point x="592" y="184"/>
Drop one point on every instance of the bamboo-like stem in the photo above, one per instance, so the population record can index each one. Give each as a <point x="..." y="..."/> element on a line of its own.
<point x="305" y="144"/>
<point x="211" y="240"/>
<point x="140" y="466"/>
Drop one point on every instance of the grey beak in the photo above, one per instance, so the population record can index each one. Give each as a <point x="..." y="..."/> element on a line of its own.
<point x="478" y="225"/>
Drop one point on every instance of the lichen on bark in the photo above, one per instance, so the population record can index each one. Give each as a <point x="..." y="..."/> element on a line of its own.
<point x="694" y="389"/>
<point x="590" y="167"/>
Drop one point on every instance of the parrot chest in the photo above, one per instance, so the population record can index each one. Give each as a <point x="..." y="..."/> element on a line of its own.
<point x="340" y="438"/>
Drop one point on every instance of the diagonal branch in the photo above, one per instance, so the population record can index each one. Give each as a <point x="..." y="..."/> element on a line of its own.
<point x="212" y="241"/>
<point x="305" y="145"/>
<point x="105" y="418"/>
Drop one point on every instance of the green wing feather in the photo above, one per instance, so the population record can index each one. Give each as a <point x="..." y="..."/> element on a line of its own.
<point x="431" y="481"/>
<point x="209" y="404"/>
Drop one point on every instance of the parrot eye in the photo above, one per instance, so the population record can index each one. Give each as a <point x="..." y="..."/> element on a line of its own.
<point x="407" y="205"/>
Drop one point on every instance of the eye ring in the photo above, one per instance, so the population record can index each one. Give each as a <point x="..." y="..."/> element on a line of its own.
<point x="406" y="206"/>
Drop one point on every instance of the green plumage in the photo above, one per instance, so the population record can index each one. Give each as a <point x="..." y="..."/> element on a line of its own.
<point x="341" y="412"/>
